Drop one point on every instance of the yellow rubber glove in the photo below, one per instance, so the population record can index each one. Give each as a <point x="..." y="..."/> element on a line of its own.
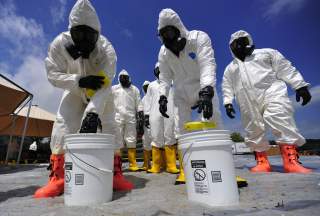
<point x="106" y="80"/>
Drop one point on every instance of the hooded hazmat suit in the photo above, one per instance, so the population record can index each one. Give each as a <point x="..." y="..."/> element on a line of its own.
<point x="147" y="131"/>
<point x="127" y="102"/>
<point x="193" y="70"/>
<point x="64" y="72"/>
<point x="259" y="87"/>
<point x="162" y="129"/>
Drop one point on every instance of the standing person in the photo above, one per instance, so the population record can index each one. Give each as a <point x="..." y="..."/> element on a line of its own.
<point x="257" y="78"/>
<point x="76" y="58"/>
<point x="33" y="148"/>
<point x="146" y="132"/>
<point x="127" y="101"/>
<point x="187" y="59"/>
<point x="162" y="129"/>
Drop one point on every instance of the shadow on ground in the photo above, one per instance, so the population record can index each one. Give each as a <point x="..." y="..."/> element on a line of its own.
<point x="297" y="204"/>
<point x="6" y="169"/>
<point x="161" y="213"/>
<point x="138" y="183"/>
<point x="19" y="192"/>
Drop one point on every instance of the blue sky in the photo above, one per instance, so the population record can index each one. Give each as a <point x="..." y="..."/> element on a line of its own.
<point x="291" y="26"/>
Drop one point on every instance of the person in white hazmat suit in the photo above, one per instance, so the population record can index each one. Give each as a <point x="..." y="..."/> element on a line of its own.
<point x="146" y="128"/>
<point x="162" y="129"/>
<point x="127" y="102"/>
<point x="79" y="61"/>
<point x="187" y="59"/>
<point x="257" y="79"/>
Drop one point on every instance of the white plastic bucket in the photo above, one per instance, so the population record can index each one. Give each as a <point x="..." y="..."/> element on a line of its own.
<point x="88" y="169"/>
<point x="209" y="167"/>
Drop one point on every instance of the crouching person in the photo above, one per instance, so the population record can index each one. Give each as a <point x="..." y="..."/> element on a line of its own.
<point x="82" y="62"/>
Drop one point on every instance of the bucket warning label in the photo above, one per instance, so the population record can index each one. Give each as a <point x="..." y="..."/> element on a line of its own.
<point x="67" y="179"/>
<point x="200" y="178"/>
<point x="198" y="164"/>
<point x="67" y="190"/>
<point x="79" y="179"/>
<point x="199" y="175"/>
<point x="68" y="166"/>
<point x="216" y="176"/>
<point x="67" y="176"/>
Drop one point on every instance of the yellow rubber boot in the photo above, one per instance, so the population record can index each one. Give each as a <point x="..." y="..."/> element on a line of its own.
<point x="171" y="159"/>
<point x="163" y="159"/>
<point x="132" y="160"/>
<point x="156" y="160"/>
<point x="241" y="182"/>
<point x="146" y="160"/>
<point x="181" y="178"/>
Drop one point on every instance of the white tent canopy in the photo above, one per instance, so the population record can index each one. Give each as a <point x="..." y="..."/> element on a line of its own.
<point x="37" y="113"/>
<point x="18" y="120"/>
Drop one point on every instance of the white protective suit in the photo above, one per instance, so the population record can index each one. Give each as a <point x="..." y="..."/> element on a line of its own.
<point x="127" y="104"/>
<point x="147" y="131"/>
<point x="259" y="86"/>
<point x="64" y="72"/>
<point x="193" y="70"/>
<point x="162" y="129"/>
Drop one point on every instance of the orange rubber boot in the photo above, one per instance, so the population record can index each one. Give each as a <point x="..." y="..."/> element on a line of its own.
<point x="290" y="160"/>
<point x="263" y="164"/>
<point x="119" y="182"/>
<point x="55" y="186"/>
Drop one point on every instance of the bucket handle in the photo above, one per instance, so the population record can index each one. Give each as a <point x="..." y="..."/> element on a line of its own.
<point x="186" y="152"/>
<point x="99" y="169"/>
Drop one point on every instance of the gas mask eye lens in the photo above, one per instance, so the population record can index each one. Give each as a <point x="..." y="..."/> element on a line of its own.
<point x="169" y="33"/>
<point x="84" y="33"/>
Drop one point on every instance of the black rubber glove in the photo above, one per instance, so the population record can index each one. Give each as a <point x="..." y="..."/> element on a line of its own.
<point x="163" y="106"/>
<point x="230" y="111"/>
<point x="91" y="123"/>
<point x="146" y="121"/>
<point x="91" y="82"/>
<point x="304" y="93"/>
<point x="140" y="123"/>
<point x="205" y="102"/>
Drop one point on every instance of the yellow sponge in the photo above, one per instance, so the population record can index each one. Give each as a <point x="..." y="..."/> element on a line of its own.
<point x="199" y="125"/>
<point x="106" y="80"/>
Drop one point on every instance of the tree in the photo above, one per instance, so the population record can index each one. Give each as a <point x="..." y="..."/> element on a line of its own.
<point x="236" y="137"/>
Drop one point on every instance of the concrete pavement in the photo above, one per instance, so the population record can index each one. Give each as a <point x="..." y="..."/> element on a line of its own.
<point x="276" y="193"/>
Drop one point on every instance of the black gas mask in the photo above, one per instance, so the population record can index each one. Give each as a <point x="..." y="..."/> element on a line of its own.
<point x="171" y="38"/>
<point x="156" y="72"/>
<point x="125" y="81"/>
<point x="241" y="48"/>
<point x="84" y="39"/>
<point x="145" y="88"/>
